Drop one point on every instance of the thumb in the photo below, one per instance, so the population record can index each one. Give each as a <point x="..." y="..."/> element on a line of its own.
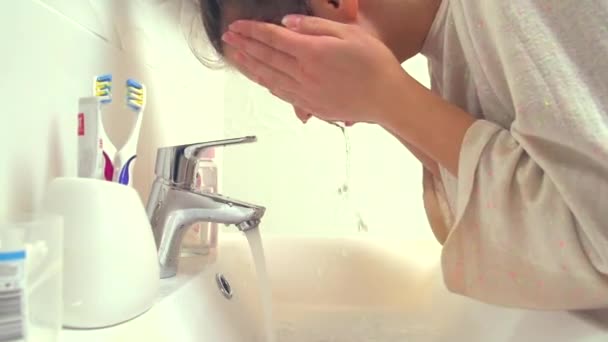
<point x="314" y="26"/>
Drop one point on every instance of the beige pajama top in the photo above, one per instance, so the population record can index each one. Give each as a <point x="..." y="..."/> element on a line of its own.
<point x="525" y="224"/>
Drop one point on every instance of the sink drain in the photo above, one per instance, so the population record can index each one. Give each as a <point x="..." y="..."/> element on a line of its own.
<point x="223" y="285"/>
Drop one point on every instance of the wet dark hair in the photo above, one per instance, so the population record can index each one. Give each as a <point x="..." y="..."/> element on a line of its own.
<point x="213" y="14"/>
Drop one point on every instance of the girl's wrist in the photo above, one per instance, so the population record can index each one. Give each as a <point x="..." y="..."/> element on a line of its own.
<point x="426" y="121"/>
<point x="396" y="105"/>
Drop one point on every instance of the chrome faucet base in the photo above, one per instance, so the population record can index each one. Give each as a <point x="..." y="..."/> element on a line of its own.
<point x="174" y="204"/>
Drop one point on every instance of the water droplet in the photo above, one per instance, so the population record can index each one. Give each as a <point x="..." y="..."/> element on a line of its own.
<point x="362" y="226"/>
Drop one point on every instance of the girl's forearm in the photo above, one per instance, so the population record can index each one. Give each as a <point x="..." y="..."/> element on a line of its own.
<point x="426" y="161"/>
<point x="434" y="128"/>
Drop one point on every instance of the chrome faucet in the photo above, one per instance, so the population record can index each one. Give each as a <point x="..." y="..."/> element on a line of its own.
<point x="175" y="204"/>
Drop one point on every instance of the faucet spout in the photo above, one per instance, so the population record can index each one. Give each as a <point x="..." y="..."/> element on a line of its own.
<point x="179" y="209"/>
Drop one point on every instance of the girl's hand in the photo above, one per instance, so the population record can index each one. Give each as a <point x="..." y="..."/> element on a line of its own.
<point x="334" y="71"/>
<point x="304" y="116"/>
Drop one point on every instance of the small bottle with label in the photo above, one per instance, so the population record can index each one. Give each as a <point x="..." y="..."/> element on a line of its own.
<point x="31" y="278"/>
<point x="201" y="237"/>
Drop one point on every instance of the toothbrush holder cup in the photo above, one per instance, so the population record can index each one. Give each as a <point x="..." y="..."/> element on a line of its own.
<point x="111" y="272"/>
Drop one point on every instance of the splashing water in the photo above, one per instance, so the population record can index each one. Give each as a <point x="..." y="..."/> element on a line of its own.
<point x="257" y="252"/>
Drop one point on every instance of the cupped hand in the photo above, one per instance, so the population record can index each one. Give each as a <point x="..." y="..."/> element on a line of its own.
<point x="334" y="71"/>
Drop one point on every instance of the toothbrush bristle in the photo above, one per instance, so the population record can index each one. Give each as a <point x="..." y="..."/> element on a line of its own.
<point x="133" y="83"/>
<point x="103" y="88"/>
<point x="103" y="84"/>
<point x="102" y="92"/>
<point x="135" y="105"/>
<point x="136" y="91"/>
<point x="136" y="95"/>
<point x="104" y="78"/>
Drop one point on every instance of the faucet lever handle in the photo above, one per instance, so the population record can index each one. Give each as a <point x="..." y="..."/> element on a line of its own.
<point x="177" y="164"/>
<point x="192" y="151"/>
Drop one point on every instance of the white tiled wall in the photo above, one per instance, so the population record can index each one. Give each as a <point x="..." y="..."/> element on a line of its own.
<point x="295" y="170"/>
<point x="50" y="51"/>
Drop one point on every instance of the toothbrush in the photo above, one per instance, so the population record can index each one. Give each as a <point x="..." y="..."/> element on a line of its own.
<point x="116" y="163"/>
<point x="102" y="88"/>
<point x="136" y="101"/>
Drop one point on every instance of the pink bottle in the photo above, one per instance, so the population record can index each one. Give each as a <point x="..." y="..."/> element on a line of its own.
<point x="201" y="238"/>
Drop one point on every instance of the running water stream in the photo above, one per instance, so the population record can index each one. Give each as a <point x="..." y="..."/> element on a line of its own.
<point x="257" y="249"/>
<point x="257" y="252"/>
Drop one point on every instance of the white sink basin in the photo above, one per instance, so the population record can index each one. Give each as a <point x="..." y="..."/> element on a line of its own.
<point x="334" y="290"/>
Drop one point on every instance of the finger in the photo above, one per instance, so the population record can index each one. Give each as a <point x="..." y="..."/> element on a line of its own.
<point x="302" y="114"/>
<point x="293" y="99"/>
<point x="264" y="74"/>
<point x="240" y="68"/>
<point x="277" y="59"/>
<point x="285" y="96"/>
<point x="274" y="36"/>
<point x="245" y="71"/>
<point x="315" y="26"/>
